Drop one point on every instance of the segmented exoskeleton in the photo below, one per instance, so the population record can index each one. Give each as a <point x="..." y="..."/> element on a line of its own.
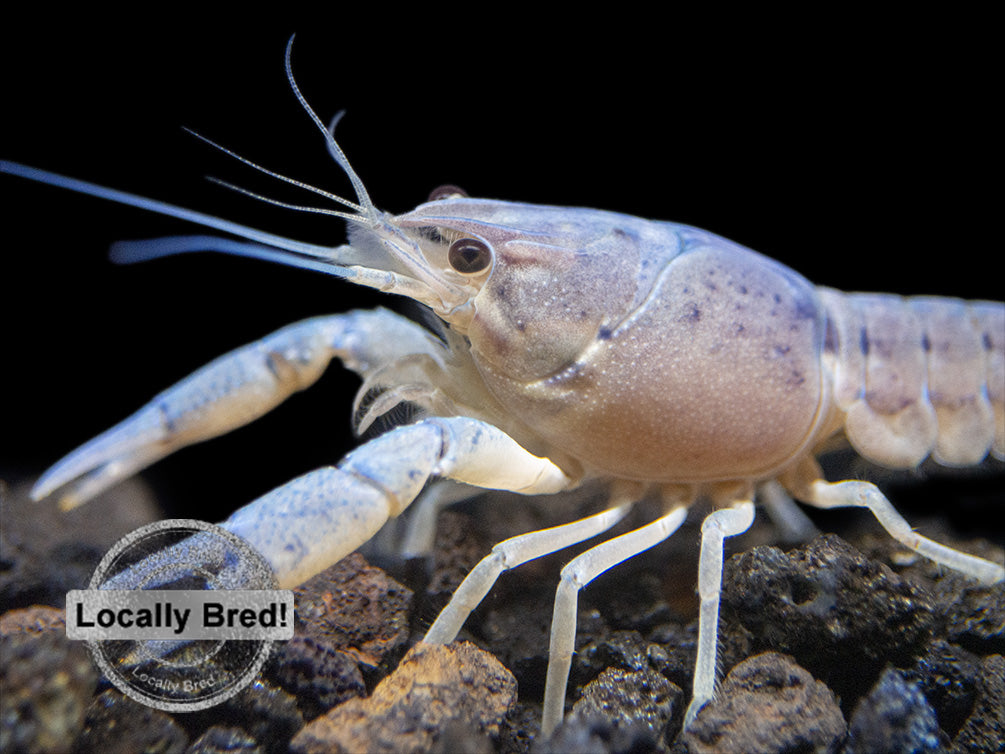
<point x="918" y="376"/>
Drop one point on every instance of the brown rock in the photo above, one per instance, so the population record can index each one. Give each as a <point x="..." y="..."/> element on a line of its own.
<point x="357" y="608"/>
<point x="38" y="619"/>
<point x="435" y="688"/>
<point x="46" y="683"/>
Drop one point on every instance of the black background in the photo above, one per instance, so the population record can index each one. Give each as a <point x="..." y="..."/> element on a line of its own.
<point x="858" y="151"/>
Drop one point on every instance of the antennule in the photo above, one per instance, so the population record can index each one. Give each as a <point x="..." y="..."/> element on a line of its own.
<point x="333" y="148"/>
<point x="279" y="176"/>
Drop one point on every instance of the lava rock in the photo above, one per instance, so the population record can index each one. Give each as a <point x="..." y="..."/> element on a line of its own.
<point x="634" y="696"/>
<point x="268" y="714"/>
<point x="220" y="740"/>
<point x="622" y="649"/>
<point x="641" y="608"/>
<point x="767" y="704"/>
<point x="520" y="729"/>
<point x="409" y="711"/>
<point x="457" y="550"/>
<point x="949" y="677"/>
<point x="517" y="630"/>
<point x="46" y="551"/>
<point x="975" y="614"/>
<point x="461" y="736"/>
<point x="842" y="616"/>
<point x="892" y="718"/>
<point x="317" y="674"/>
<point x="116" y="724"/>
<point x="47" y="683"/>
<point x="356" y="608"/>
<point x="984" y="731"/>
<point x="674" y="650"/>
<point x="598" y="735"/>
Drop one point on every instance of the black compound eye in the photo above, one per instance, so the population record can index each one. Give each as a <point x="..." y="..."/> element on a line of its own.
<point x="446" y="191"/>
<point x="469" y="255"/>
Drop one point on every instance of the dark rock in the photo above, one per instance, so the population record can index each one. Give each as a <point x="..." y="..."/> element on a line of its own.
<point x="984" y="730"/>
<point x="948" y="676"/>
<point x="268" y="714"/>
<point x="45" y="552"/>
<point x="316" y="673"/>
<point x="975" y="614"/>
<point x="116" y="724"/>
<point x="219" y="740"/>
<point x="457" y="550"/>
<point x="622" y="649"/>
<point x="516" y="630"/>
<point x="47" y="683"/>
<point x="641" y="608"/>
<point x="520" y="729"/>
<point x="841" y="616"/>
<point x="409" y="710"/>
<point x="674" y="650"/>
<point x="767" y="704"/>
<point x="461" y="736"/>
<point x="458" y="547"/>
<point x="598" y="735"/>
<point x="894" y="717"/>
<point x="634" y="696"/>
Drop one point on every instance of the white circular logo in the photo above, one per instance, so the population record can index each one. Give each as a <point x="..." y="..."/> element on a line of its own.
<point x="181" y="614"/>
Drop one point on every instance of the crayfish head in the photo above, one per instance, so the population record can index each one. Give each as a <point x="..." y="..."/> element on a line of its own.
<point x="544" y="284"/>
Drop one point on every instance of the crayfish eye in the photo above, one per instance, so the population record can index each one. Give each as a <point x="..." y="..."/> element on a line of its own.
<point x="446" y="191"/>
<point x="469" y="256"/>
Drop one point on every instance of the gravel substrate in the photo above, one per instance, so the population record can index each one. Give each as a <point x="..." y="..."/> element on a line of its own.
<point x="824" y="646"/>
